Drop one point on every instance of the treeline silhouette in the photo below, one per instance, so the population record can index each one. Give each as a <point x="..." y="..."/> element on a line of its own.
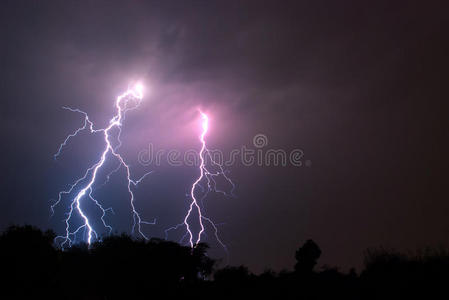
<point x="124" y="268"/>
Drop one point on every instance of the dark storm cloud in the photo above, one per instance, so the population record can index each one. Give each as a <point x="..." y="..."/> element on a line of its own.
<point x="359" y="87"/>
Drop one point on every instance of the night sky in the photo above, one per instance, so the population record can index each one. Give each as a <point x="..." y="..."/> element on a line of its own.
<point x="361" y="88"/>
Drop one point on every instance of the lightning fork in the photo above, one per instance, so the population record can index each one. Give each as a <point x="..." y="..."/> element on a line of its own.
<point x="87" y="181"/>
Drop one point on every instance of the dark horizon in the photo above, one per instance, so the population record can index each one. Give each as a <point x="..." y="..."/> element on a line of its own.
<point x="122" y="267"/>
<point x="360" y="88"/>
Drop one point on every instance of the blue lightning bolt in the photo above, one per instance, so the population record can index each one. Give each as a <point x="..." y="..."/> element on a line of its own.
<point x="125" y="102"/>
<point x="196" y="203"/>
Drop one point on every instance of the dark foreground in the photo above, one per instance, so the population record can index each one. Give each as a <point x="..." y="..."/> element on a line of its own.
<point x="123" y="268"/>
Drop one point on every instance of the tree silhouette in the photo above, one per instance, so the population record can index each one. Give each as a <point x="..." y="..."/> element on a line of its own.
<point x="307" y="257"/>
<point x="28" y="259"/>
<point x="121" y="267"/>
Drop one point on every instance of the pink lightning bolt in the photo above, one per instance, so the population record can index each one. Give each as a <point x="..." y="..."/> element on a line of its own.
<point x="205" y="125"/>
<point x="211" y="186"/>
